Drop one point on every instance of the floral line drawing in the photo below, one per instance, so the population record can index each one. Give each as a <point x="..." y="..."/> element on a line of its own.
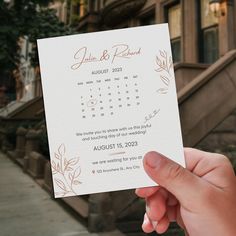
<point x="66" y="171"/>
<point x="164" y="68"/>
<point x="151" y="115"/>
<point x="164" y="62"/>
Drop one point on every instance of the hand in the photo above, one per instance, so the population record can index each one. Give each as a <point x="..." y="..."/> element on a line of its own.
<point x="200" y="198"/>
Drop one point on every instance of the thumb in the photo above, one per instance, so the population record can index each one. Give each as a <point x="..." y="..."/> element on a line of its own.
<point x="184" y="185"/>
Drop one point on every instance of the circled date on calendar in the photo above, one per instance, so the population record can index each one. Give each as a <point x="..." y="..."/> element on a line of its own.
<point x="115" y="145"/>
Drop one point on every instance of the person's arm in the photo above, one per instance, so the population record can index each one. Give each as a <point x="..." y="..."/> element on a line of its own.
<point x="201" y="198"/>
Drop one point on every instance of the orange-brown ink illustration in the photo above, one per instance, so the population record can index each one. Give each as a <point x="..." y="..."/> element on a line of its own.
<point x="66" y="172"/>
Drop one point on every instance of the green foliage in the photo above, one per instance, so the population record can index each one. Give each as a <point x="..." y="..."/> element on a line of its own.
<point x="46" y="24"/>
<point x="9" y="35"/>
<point x="26" y="18"/>
<point x="75" y="19"/>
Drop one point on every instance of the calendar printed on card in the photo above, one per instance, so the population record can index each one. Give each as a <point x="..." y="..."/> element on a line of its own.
<point x="110" y="97"/>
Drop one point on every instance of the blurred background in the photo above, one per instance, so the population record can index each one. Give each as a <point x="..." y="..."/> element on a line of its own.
<point x="203" y="39"/>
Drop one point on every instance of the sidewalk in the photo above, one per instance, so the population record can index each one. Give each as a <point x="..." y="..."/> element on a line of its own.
<point x="27" y="210"/>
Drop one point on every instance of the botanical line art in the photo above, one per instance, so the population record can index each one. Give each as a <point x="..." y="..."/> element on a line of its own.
<point x="164" y="68"/>
<point x="65" y="172"/>
<point x="151" y="115"/>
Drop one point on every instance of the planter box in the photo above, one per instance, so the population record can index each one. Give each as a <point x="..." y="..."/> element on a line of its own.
<point x="47" y="183"/>
<point x="36" y="164"/>
<point x="78" y="204"/>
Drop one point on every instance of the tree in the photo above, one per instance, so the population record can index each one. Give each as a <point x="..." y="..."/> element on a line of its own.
<point x="9" y="34"/>
<point x="30" y="18"/>
<point x="46" y="25"/>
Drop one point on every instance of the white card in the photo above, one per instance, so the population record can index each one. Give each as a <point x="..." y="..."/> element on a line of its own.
<point x="110" y="97"/>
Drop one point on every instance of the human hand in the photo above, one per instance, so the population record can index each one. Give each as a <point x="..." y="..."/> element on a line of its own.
<point x="200" y="198"/>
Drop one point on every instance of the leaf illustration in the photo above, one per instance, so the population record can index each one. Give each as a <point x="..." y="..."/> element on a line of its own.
<point x="70" y="176"/>
<point x="62" y="150"/>
<point x="77" y="172"/>
<point x="159" y="69"/>
<point x="60" y="184"/>
<point x="58" y="167"/>
<point x="73" y="161"/>
<point x="162" y="91"/>
<point x="65" y="162"/>
<point x="163" y="53"/>
<point x="77" y="182"/>
<point x="165" y="80"/>
<point x="69" y="168"/>
<point x="156" y="112"/>
<point x="57" y="156"/>
<point x="53" y="164"/>
<point x="158" y="61"/>
<point x="54" y="168"/>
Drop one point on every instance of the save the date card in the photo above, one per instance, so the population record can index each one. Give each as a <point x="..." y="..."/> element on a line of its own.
<point x="110" y="97"/>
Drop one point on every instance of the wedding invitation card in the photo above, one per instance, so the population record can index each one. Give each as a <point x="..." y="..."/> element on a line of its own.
<point x="110" y="97"/>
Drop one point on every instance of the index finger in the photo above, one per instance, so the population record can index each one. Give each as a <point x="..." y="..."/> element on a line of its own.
<point x="147" y="191"/>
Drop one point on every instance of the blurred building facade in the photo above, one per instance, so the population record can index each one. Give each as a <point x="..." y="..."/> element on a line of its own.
<point x="28" y="83"/>
<point x="61" y="8"/>
<point x="203" y="40"/>
<point x="201" y="30"/>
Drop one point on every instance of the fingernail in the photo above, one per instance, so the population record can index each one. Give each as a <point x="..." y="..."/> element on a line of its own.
<point x="137" y="190"/>
<point x="147" y="208"/>
<point x="145" y="221"/>
<point x="154" y="224"/>
<point x="152" y="159"/>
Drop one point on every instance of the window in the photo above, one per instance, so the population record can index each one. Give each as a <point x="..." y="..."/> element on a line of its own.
<point x="207" y="17"/>
<point x="175" y="25"/>
<point x="209" y="37"/>
<point x="148" y="19"/>
<point x="211" y="51"/>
